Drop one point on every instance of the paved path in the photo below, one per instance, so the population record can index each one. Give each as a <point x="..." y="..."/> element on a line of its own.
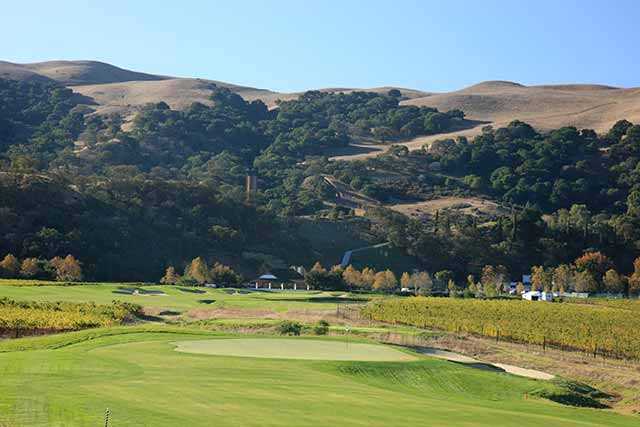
<point x="346" y="258"/>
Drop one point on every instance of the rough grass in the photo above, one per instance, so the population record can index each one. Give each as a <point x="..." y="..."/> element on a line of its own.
<point x="71" y="379"/>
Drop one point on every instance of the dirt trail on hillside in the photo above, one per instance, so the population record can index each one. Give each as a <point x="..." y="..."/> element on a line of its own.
<point x="361" y="151"/>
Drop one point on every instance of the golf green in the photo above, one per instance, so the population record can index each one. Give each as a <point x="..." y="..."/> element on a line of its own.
<point x="275" y="348"/>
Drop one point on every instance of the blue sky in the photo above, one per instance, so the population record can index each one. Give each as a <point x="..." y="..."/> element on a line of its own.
<point x="297" y="45"/>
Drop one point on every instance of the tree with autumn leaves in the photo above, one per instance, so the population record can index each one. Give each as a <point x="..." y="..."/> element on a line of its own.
<point x="634" y="279"/>
<point x="10" y="266"/>
<point x="67" y="269"/>
<point x="593" y="272"/>
<point x="198" y="272"/>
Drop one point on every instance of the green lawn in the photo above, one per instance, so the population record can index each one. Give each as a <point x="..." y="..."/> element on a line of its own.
<point x="308" y="349"/>
<point x="70" y="379"/>
<point x="178" y="298"/>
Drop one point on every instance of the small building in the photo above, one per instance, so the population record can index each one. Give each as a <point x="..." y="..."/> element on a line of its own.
<point x="280" y="279"/>
<point x="265" y="280"/>
<point x="537" y="296"/>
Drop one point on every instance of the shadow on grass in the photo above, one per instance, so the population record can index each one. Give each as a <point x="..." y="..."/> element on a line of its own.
<point x="479" y="365"/>
<point x="192" y="291"/>
<point x="577" y="394"/>
<point x="169" y="313"/>
<point x="206" y="301"/>
<point x="150" y="318"/>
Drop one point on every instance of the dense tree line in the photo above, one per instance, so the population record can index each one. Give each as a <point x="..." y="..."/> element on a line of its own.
<point x="197" y="272"/>
<point x="368" y="279"/>
<point x="67" y="269"/>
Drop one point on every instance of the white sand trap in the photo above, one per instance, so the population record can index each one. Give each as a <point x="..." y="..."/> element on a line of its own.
<point x="523" y="372"/>
<point x="294" y="349"/>
<point x="475" y="363"/>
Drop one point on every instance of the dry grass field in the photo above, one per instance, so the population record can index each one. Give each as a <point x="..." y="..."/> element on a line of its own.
<point x="112" y="89"/>
<point x="466" y="205"/>
<point x="71" y="73"/>
<point x="545" y="107"/>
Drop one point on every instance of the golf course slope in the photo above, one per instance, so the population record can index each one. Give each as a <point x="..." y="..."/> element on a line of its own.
<point x="71" y="379"/>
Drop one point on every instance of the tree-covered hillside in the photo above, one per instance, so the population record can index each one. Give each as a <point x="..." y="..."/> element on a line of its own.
<point x="563" y="193"/>
<point x="129" y="197"/>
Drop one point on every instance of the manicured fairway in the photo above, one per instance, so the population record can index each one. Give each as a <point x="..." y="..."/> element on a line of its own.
<point x="295" y="349"/>
<point x="70" y="379"/>
<point x="178" y="298"/>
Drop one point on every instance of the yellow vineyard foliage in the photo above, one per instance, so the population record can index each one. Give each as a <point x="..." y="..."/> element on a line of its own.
<point x="16" y="317"/>
<point x="597" y="329"/>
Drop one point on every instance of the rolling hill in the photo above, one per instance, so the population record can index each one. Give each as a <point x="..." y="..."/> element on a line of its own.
<point x="115" y="89"/>
<point x="71" y="73"/>
<point x="496" y="102"/>
<point x="545" y="107"/>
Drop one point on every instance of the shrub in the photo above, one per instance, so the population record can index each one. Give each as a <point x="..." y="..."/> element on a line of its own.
<point x="321" y="328"/>
<point x="288" y="327"/>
